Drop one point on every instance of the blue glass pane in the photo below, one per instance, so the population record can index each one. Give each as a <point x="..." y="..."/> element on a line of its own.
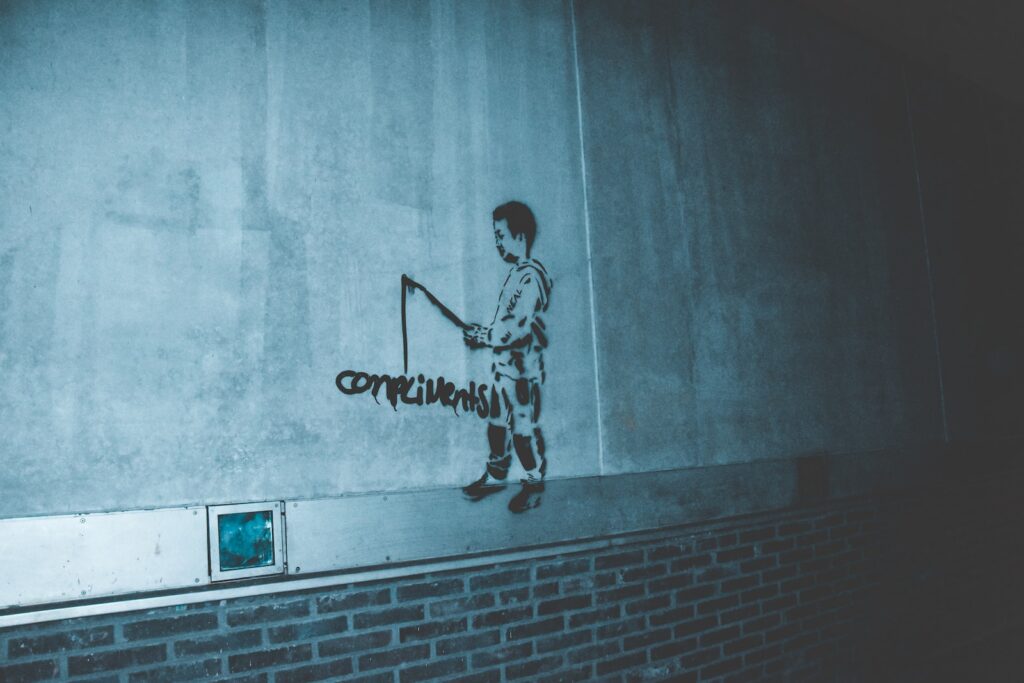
<point x="246" y="540"/>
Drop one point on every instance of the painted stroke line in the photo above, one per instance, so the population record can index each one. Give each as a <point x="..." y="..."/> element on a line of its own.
<point x="927" y="253"/>
<point x="405" y="333"/>
<point x="409" y="283"/>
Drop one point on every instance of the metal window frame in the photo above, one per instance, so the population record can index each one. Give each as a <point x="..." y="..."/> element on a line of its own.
<point x="213" y="512"/>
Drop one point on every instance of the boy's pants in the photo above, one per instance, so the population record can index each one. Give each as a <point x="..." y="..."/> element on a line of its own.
<point x="515" y="407"/>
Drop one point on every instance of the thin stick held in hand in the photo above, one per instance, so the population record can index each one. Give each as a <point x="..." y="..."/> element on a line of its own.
<point x="447" y="312"/>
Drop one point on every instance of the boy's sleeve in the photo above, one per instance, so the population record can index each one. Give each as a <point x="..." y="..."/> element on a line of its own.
<point x="513" y="324"/>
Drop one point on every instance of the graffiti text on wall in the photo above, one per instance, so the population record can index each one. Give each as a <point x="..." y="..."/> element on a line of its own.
<point x="427" y="392"/>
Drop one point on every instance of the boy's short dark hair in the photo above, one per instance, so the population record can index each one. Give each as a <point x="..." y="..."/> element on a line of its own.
<point x="520" y="220"/>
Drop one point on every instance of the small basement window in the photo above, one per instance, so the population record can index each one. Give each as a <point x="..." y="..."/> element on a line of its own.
<point x="245" y="540"/>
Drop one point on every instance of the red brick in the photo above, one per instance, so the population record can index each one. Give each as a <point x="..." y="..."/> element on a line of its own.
<point x="718" y="604"/>
<point x="532" y="667"/>
<point x="753" y="535"/>
<point x="96" y="662"/>
<point x="60" y="642"/>
<point x="646" y="639"/>
<point x="29" y="672"/>
<point x="499" y="579"/>
<point x="482" y="660"/>
<point x="741" y="553"/>
<point x="265" y="658"/>
<point x="432" y="589"/>
<point x="534" y="628"/>
<point x="648" y="605"/>
<point x="503" y="616"/>
<point x="473" y="641"/>
<point x="564" y="641"/>
<point x="472" y="603"/>
<point x="670" y="583"/>
<point x="431" y="629"/>
<point x="386" y="617"/>
<point x="573" y="603"/>
<point x="394" y="657"/>
<point x="635" y="659"/>
<point x="720" y="668"/>
<point x="444" y="667"/>
<point x="595" y="616"/>
<point x="619" y="560"/>
<point x="719" y="636"/>
<point x="759" y="593"/>
<point x="577" y="565"/>
<point x="742" y="645"/>
<point x="353" y="600"/>
<point x="266" y="613"/>
<point x="161" y="628"/>
<point x="673" y="649"/>
<point x="671" y="616"/>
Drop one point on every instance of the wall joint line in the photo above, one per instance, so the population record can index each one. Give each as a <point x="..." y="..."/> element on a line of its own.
<point x="927" y="252"/>
<point x="586" y="224"/>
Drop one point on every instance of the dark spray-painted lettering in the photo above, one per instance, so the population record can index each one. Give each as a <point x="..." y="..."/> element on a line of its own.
<point x="416" y="391"/>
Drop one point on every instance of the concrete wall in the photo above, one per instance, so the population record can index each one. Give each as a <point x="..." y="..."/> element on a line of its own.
<point x="206" y="209"/>
<point x="758" y="204"/>
<point x="970" y="144"/>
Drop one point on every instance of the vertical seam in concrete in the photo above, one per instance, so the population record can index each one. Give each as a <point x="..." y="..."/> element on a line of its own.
<point x="586" y="224"/>
<point x="927" y="251"/>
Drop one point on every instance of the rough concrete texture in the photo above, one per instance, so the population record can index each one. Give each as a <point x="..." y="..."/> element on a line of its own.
<point x="205" y="210"/>
<point x="759" y="263"/>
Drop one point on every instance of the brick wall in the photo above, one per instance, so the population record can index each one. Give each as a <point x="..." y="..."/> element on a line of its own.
<point x="778" y="597"/>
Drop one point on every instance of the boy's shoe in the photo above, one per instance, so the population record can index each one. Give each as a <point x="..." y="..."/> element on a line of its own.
<point x="528" y="496"/>
<point x="483" y="487"/>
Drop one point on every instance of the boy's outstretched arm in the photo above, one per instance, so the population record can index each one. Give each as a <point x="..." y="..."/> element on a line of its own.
<point x="514" y="324"/>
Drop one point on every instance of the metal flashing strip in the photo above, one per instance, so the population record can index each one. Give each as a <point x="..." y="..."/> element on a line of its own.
<point x="75" y="557"/>
<point x="145" y="559"/>
<point x="294" y="585"/>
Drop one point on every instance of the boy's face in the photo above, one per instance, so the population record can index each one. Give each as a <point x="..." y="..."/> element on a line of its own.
<point x="510" y="248"/>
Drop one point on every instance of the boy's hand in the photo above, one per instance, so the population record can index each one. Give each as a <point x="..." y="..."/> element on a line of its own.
<point x="476" y="336"/>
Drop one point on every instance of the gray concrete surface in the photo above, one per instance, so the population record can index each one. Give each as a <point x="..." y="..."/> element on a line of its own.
<point x="759" y="263"/>
<point x="205" y="210"/>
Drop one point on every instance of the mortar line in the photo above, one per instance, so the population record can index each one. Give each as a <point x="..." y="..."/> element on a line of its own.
<point x="927" y="251"/>
<point x="586" y="224"/>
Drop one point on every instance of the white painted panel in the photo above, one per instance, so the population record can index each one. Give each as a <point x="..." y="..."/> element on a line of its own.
<point x="76" y="557"/>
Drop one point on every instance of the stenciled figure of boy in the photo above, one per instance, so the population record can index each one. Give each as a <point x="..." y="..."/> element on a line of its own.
<point x="516" y="338"/>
